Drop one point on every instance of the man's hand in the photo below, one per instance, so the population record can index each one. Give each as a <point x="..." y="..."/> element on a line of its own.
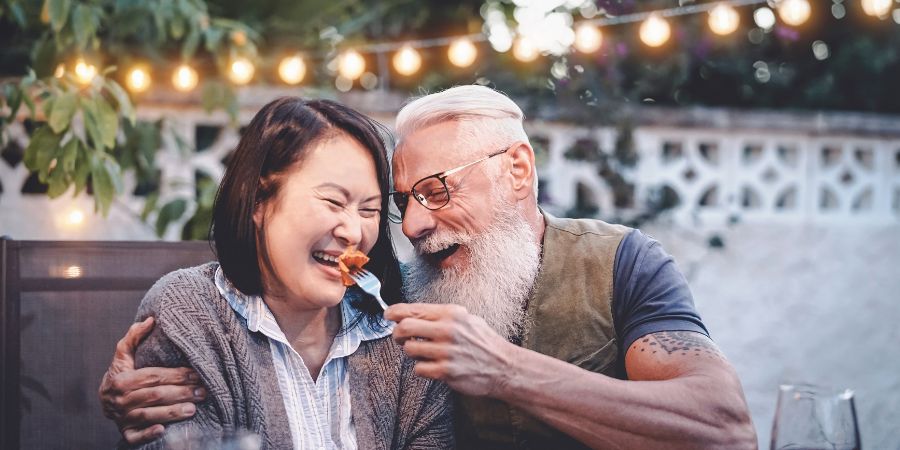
<point x="451" y="345"/>
<point x="140" y="401"/>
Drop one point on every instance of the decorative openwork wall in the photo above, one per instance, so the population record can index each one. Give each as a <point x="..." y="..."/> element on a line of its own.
<point x="765" y="171"/>
<point x="746" y="174"/>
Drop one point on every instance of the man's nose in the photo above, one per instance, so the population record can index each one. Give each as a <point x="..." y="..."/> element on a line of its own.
<point x="418" y="221"/>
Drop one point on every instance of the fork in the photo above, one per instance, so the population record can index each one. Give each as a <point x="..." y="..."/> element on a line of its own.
<point x="368" y="282"/>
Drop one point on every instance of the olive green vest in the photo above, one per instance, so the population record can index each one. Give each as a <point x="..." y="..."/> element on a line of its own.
<point x="568" y="317"/>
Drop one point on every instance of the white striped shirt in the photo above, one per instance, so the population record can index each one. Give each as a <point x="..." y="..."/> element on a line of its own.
<point x="319" y="412"/>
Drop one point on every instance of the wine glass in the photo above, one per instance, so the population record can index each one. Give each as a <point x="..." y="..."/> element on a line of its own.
<point x="810" y="417"/>
<point x="228" y="440"/>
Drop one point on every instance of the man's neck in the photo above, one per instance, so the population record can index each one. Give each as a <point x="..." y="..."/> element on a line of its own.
<point x="535" y="219"/>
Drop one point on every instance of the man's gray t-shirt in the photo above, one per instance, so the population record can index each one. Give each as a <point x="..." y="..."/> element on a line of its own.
<point x="649" y="292"/>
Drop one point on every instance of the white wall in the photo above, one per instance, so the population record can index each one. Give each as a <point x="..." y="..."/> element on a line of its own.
<point x="790" y="303"/>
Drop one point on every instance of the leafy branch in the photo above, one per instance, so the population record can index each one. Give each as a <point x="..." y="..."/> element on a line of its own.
<point x="87" y="133"/>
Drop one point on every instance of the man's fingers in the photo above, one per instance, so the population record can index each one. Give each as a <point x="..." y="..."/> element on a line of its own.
<point x="161" y="396"/>
<point x="431" y="369"/>
<point x="426" y="350"/>
<point x="143" y="435"/>
<point x="426" y="311"/>
<point x="142" y="417"/>
<point x="412" y="328"/>
<point x="124" y="357"/>
<point x="133" y="380"/>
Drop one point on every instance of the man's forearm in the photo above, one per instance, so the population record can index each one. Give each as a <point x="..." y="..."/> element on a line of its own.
<point x="689" y="411"/>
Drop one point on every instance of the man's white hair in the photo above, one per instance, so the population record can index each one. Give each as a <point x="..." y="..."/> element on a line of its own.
<point x="488" y="119"/>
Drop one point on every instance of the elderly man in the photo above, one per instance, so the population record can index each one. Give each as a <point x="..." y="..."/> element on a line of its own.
<point x="556" y="333"/>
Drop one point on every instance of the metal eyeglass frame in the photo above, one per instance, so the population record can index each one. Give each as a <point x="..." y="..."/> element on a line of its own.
<point x="440" y="176"/>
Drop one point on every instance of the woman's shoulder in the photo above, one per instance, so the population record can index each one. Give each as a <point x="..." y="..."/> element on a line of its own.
<point x="188" y="288"/>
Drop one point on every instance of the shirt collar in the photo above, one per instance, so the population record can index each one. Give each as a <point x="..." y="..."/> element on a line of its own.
<point x="259" y="318"/>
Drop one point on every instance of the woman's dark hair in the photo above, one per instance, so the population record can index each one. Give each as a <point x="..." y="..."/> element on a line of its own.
<point x="280" y="136"/>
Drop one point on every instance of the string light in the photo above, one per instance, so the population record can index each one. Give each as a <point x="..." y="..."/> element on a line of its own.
<point x="764" y="18"/>
<point x="723" y="19"/>
<point x="292" y="69"/>
<point x="655" y="31"/>
<point x="351" y="65"/>
<point x="794" y="12"/>
<point x="524" y="50"/>
<point x="84" y="72"/>
<point x="138" y="79"/>
<point x="75" y="217"/>
<point x="60" y="70"/>
<point x="407" y="61"/>
<point x="462" y="52"/>
<point x="588" y="38"/>
<point x="877" y="8"/>
<point x="242" y="71"/>
<point x="185" y="78"/>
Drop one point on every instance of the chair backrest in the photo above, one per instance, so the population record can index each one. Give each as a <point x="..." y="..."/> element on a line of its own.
<point x="63" y="307"/>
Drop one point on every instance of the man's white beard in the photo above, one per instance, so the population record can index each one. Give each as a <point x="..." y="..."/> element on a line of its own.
<point x="502" y="264"/>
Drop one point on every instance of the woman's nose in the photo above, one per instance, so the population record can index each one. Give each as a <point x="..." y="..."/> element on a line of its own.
<point x="349" y="230"/>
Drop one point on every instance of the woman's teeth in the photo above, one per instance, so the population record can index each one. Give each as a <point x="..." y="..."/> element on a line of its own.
<point x="325" y="258"/>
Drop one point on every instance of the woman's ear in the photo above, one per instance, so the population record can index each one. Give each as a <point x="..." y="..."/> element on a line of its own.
<point x="259" y="214"/>
<point x="522" y="170"/>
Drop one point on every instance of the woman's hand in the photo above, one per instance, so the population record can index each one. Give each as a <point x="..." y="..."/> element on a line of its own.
<point x="141" y="400"/>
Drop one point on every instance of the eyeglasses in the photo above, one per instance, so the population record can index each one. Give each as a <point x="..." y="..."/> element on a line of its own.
<point x="431" y="191"/>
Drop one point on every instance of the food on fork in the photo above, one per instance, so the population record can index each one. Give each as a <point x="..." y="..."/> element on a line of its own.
<point x="349" y="262"/>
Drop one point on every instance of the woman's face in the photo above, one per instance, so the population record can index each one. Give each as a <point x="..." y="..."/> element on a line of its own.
<point x="329" y="201"/>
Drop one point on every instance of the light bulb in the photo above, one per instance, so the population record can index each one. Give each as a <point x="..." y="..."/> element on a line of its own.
<point x="407" y="61"/>
<point x="60" y="70"/>
<point x="75" y="217"/>
<point x="794" y="12"/>
<point x="138" y="79"/>
<point x="655" y="30"/>
<point x="84" y="72"/>
<point x="723" y="19"/>
<point x="292" y="69"/>
<point x="462" y="52"/>
<point x="764" y="18"/>
<point x="242" y="71"/>
<point x="351" y="65"/>
<point x="524" y="50"/>
<point x="877" y="8"/>
<point x="588" y="38"/>
<point x="185" y="78"/>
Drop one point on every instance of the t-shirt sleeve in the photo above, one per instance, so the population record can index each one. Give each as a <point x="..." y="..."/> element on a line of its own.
<point x="649" y="292"/>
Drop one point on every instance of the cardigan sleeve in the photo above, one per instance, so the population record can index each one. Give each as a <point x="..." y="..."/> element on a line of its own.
<point x="158" y="350"/>
<point x="432" y="423"/>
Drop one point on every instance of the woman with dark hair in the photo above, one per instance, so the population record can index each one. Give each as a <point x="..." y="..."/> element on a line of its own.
<point x="284" y="350"/>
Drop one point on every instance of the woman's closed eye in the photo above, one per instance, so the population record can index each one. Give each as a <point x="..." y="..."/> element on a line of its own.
<point x="369" y="212"/>
<point x="334" y="203"/>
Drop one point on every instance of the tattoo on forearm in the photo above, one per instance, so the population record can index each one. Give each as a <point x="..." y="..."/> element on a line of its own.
<point x="678" y="342"/>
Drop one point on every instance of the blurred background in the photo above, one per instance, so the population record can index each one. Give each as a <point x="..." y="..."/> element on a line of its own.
<point x="759" y="141"/>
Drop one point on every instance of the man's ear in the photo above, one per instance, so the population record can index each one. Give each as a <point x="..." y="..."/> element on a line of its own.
<point x="522" y="169"/>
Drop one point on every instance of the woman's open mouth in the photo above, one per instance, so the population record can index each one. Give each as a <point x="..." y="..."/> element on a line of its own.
<point x="325" y="259"/>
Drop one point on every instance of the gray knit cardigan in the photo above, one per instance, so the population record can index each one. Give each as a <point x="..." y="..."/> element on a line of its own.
<point x="393" y="408"/>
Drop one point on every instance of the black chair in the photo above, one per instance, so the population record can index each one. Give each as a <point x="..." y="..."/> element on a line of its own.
<point x="63" y="306"/>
